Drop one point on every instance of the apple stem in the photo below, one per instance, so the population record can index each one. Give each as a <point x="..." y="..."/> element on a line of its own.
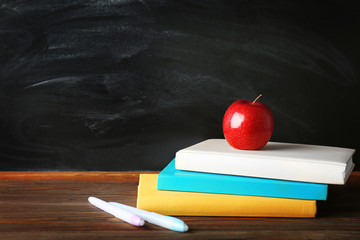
<point x="257" y="98"/>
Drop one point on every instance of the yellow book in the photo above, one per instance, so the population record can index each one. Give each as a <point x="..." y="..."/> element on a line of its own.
<point x="209" y="204"/>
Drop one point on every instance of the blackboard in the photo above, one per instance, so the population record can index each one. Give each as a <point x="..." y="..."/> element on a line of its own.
<point x="122" y="85"/>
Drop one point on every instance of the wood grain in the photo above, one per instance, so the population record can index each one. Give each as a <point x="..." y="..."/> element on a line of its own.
<point x="84" y="176"/>
<point x="53" y="205"/>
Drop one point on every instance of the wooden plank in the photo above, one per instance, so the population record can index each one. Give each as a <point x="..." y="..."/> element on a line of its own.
<point x="57" y="208"/>
<point x="91" y="176"/>
<point x="84" y="176"/>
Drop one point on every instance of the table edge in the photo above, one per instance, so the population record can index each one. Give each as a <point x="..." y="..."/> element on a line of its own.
<point x="85" y="175"/>
<point x="73" y="175"/>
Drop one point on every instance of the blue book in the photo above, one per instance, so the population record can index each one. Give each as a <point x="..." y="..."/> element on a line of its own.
<point x="171" y="178"/>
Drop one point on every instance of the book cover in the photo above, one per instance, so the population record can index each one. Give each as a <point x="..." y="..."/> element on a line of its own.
<point x="179" y="180"/>
<point x="211" y="204"/>
<point x="286" y="161"/>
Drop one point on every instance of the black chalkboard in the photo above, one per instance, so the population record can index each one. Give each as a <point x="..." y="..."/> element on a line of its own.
<point x="122" y="85"/>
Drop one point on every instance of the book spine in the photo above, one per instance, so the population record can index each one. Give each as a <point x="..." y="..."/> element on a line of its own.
<point x="246" y="207"/>
<point x="270" y="188"/>
<point x="206" y="204"/>
<point x="281" y="169"/>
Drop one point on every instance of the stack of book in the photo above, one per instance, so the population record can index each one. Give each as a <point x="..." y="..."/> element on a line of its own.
<point x="213" y="179"/>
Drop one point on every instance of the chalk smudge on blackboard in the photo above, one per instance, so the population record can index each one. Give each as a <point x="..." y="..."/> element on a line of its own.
<point x="125" y="84"/>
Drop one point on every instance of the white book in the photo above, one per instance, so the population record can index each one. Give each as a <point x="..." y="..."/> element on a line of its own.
<point x="286" y="161"/>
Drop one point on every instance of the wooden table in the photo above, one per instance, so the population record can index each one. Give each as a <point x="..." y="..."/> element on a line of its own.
<point x="53" y="205"/>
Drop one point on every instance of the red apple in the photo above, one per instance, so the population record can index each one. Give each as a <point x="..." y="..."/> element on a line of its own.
<point x="248" y="124"/>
